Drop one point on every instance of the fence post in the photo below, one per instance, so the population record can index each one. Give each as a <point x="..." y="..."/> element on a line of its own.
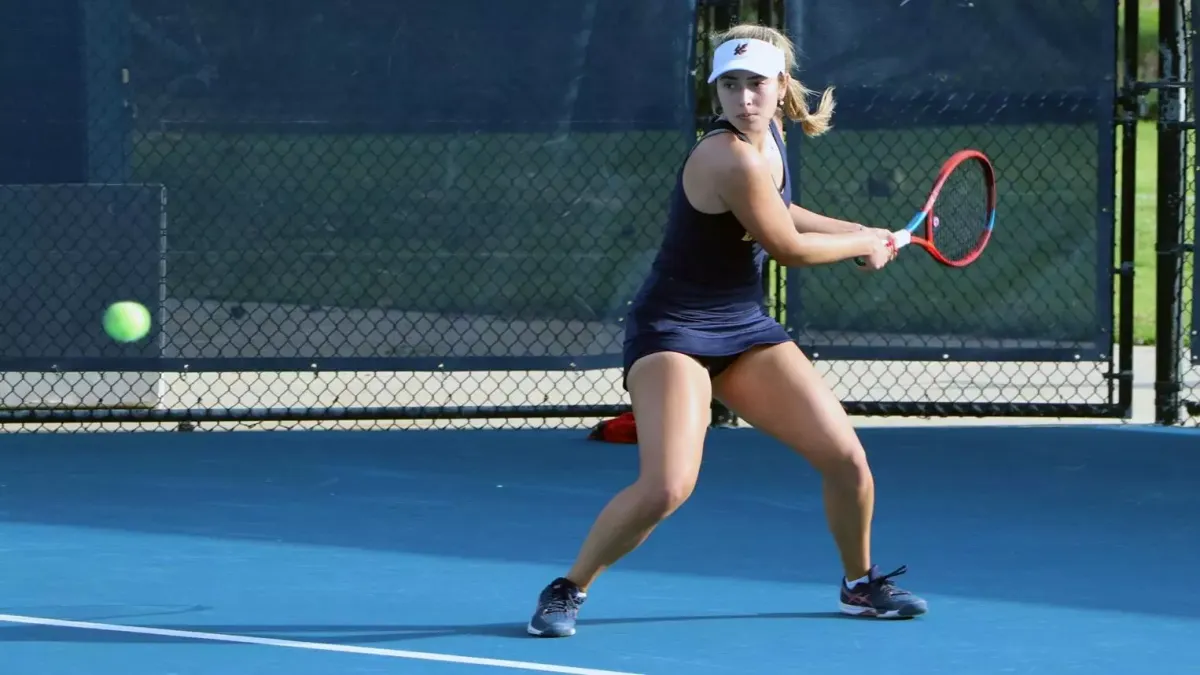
<point x="725" y="14"/>
<point x="1131" y="99"/>
<point x="1171" y="209"/>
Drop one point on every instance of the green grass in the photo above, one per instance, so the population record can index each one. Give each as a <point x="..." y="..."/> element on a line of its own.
<point x="1145" y="259"/>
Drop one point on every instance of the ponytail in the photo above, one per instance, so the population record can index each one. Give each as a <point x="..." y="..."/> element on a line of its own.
<point x="795" y="108"/>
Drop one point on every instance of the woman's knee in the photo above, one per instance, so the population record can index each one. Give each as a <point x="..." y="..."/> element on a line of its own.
<point x="660" y="496"/>
<point x="671" y="397"/>
<point x="845" y="463"/>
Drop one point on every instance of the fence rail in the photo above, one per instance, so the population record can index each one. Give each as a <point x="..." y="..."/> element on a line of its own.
<point x="323" y="241"/>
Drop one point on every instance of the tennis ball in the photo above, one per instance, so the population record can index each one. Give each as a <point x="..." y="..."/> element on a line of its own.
<point x="126" y="321"/>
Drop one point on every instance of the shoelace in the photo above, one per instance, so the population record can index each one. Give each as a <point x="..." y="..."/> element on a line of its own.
<point x="884" y="583"/>
<point x="562" y="601"/>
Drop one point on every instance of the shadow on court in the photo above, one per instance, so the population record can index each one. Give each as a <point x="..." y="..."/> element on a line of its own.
<point x="1088" y="518"/>
<point x="366" y="634"/>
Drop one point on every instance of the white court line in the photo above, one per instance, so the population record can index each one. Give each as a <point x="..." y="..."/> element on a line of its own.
<point x="316" y="646"/>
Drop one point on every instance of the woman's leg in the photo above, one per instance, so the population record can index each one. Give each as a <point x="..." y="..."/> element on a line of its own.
<point x="777" y="390"/>
<point x="672" y="399"/>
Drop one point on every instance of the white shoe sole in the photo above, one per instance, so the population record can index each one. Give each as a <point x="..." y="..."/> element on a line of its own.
<point x="867" y="612"/>
<point x="540" y="633"/>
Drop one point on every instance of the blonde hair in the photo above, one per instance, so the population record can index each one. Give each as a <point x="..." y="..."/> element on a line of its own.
<point x="795" y="97"/>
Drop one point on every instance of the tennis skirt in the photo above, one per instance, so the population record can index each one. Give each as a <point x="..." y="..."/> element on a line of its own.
<point x="714" y="339"/>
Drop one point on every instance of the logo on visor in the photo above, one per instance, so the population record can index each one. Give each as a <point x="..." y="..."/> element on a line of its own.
<point x="741" y="49"/>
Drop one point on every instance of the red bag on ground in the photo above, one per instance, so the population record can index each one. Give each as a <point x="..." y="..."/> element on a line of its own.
<point x="620" y="429"/>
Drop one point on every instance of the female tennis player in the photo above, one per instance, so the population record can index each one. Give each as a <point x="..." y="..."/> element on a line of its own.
<point x="697" y="330"/>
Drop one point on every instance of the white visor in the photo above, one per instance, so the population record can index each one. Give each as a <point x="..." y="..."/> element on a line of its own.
<point x="757" y="56"/>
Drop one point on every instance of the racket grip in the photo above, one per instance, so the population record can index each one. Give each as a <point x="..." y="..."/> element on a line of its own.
<point x="900" y="239"/>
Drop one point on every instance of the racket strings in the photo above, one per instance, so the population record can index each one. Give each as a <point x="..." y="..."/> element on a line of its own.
<point x="961" y="211"/>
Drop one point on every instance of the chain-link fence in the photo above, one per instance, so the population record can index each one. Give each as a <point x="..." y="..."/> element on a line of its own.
<point x="1190" y="323"/>
<point x="344" y="211"/>
<point x="1178" y="362"/>
<point x="1028" y="328"/>
<point x="356" y="214"/>
<point x="1189" y="232"/>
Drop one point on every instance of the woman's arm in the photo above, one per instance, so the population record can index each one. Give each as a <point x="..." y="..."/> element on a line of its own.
<point x="743" y="181"/>
<point x="809" y="221"/>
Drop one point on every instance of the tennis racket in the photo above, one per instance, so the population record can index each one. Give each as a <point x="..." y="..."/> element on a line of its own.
<point x="955" y="224"/>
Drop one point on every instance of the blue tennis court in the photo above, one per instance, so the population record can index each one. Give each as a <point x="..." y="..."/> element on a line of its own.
<point x="1041" y="550"/>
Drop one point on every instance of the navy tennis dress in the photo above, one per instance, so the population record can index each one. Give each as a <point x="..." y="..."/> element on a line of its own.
<point x="704" y="294"/>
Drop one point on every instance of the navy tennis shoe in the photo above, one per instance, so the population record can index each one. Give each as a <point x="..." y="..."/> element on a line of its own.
<point x="879" y="598"/>
<point x="557" y="608"/>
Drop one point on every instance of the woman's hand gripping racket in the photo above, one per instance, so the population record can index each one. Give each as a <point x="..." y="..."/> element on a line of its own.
<point x="959" y="214"/>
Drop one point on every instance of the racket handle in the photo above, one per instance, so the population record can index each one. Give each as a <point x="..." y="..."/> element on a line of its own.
<point x="900" y="239"/>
